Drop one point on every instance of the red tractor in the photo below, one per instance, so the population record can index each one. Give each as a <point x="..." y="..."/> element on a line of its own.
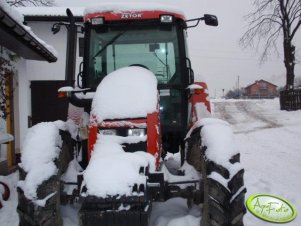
<point x="137" y="85"/>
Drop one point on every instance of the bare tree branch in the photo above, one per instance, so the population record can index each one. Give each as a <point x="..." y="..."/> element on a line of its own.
<point x="292" y="6"/>
<point x="295" y="30"/>
<point x="270" y="20"/>
<point x="23" y="3"/>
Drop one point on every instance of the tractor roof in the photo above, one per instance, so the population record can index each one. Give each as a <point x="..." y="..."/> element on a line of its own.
<point x="130" y="11"/>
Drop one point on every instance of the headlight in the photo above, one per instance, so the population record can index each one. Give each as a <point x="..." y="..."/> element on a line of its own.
<point x="112" y="132"/>
<point x="97" y="21"/>
<point x="166" y="18"/>
<point x="136" y="132"/>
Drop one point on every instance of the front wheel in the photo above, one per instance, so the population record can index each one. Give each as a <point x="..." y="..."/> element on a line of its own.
<point x="33" y="213"/>
<point x="222" y="185"/>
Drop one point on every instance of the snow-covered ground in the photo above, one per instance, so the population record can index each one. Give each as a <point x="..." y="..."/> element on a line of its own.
<point x="270" y="144"/>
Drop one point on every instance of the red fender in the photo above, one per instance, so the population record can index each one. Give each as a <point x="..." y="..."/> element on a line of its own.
<point x="6" y="194"/>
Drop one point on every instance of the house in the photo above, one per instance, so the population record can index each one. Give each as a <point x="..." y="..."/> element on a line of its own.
<point x="36" y="81"/>
<point x="17" y="41"/>
<point x="261" y="89"/>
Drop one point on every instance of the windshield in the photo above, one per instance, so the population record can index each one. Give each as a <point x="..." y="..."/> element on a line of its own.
<point x="152" y="47"/>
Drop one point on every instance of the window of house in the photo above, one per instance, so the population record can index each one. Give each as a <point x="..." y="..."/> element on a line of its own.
<point x="263" y="85"/>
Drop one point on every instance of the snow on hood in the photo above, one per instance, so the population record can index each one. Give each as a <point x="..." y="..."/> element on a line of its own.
<point x="41" y="147"/>
<point x="117" y="7"/>
<point x="116" y="170"/>
<point x="129" y="92"/>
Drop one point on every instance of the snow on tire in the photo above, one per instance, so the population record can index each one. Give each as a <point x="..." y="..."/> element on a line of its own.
<point x="45" y="209"/>
<point x="209" y="150"/>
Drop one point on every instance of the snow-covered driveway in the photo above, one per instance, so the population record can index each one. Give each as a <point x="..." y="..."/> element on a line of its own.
<point x="247" y="116"/>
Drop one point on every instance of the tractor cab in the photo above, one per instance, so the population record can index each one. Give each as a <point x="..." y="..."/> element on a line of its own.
<point x="152" y="39"/>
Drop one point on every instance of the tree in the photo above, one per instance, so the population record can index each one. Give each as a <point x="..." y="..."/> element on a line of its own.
<point x="23" y="3"/>
<point x="235" y="93"/>
<point x="270" y="20"/>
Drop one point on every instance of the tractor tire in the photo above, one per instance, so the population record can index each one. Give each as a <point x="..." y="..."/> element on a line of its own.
<point x="31" y="214"/>
<point x="222" y="195"/>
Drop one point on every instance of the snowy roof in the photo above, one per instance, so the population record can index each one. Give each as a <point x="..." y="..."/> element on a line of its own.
<point x="19" y="38"/>
<point x="257" y="81"/>
<point x="50" y="11"/>
<point x="131" y="7"/>
<point x="129" y="92"/>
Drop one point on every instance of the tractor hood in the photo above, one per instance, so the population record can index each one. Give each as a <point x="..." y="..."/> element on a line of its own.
<point x="129" y="92"/>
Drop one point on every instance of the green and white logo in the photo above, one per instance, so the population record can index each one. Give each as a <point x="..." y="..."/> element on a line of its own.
<point x="271" y="208"/>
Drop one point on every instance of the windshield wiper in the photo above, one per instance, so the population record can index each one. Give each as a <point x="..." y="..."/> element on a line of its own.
<point x="109" y="43"/>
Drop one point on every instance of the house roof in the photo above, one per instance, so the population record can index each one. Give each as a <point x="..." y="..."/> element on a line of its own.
<point x="261" y="80"/>
<point x="20" y="39"/>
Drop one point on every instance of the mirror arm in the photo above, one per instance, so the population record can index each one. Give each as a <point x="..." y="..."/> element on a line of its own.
<point x="196" y="19"/>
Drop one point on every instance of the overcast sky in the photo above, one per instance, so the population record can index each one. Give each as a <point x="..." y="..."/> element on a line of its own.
<point x="215" y="51"/>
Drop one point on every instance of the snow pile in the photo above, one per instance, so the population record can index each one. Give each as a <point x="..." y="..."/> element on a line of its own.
<point x="217" y="136"/>
<point x="171" y="166"/>
<point x="175" y="212"/>
<point x="116" y="170"/>
<point x="119" y="7"/>
<point x="41" y="147"/>
<point x="129" y="92"/>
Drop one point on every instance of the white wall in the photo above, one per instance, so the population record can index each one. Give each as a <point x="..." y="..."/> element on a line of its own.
<point x="22" y="109"/>
<point x="30" y="70"/>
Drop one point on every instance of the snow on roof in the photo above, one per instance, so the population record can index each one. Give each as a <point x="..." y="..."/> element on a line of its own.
<point x="259" y="81"/>
<point x="50" y="11"/>
<point x="38" y="157"/>
<point x="129" y="92"/>
<point x="11" y="12"/>
<point x="116" y="170"/>
<point x="99" y="8"/>
<point x="132" y="7"/>
<point x="19" y="19"/>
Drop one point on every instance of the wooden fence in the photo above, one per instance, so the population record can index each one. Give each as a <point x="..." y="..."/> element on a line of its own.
<point x="290" y="100"/>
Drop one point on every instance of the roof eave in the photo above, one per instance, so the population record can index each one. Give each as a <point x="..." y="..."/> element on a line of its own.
<point x="51" y="18"/>
<point x="16" y="38"/>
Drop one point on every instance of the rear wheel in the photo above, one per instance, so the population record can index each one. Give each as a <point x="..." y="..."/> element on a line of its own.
<point x="222" y="188"/>
<point x="31" y="214"/>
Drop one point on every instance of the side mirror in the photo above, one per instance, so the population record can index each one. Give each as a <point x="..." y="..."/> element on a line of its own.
<point x="210" y="20"/>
